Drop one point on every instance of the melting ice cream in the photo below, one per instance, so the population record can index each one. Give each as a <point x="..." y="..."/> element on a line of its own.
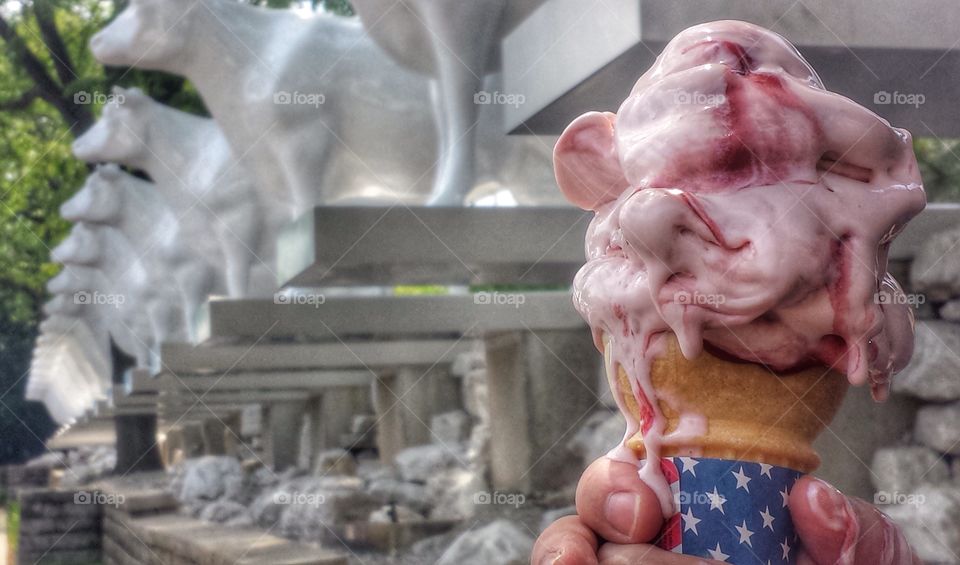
<point x="744" y="208"/>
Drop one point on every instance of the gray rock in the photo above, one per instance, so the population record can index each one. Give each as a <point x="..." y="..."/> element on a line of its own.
<point x="501" y="542"/>
<point x="904" y="469"/>
<point x="222" y="511"/>
<point x="388" y="490"/>
<point x="938" y="426"/>
<point x="208" y="478"/>
<point x="363" y="423"/>
<point x="478" y="446"/>
<point x="469" y="361"/>
<point x="371" y="469"/>
<point x="473" y="388"/>
<point x="312" y="506"/>
<point x="335" y="462"/>
<point x="363" y="433"/>
<point x="456" y="493"/>
<point x="419" y="463"/>
<point x="934" y="370"/>
<point x="929" y="522"/>
<point x="551" y="516"/>
<point x="450" y="427"/>
<point x="935" y="270"/>
<point x="601" y="432"/>
<point x="395" y="513"/>
<point x="951" y="311"/>
<point x="243" y="520"/>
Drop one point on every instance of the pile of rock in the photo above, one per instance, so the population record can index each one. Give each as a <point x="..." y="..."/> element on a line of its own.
<point x="439" y="487"/>
<point x="87" y="464"/>
<point x="916" y="481"/>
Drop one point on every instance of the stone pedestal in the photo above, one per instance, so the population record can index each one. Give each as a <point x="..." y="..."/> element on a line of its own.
<point x="541" y="387"/>
<point x="406" y="400"/>
<point x="137" y="448"/>
<point x="213" y="430"/>
<point x="136" y="435"/>
<point x="283" y="423"/>
<point x="331" y="415"/>
<point x="231" y="434"/>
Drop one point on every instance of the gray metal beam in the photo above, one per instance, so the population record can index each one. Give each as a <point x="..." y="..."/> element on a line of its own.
<point x="379" y="317"/>
<point x="332" y="246"/>
<point x="252" y="381"/>
<point x="569" y="56"/>
<point x="185" y="358"/>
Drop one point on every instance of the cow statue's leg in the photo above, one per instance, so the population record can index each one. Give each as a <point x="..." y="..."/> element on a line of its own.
<point x="462" y="34"/>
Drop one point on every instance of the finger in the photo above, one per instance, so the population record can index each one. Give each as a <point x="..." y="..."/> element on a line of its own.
<point x="638" y="554"/>
<point x="835" y="528"/>
<point x="568" y="541"/>
<point x="615" y="503"/>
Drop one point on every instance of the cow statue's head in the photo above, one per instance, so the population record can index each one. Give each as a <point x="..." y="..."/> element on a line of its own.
<point x="150" y="34"/>
<point x="81" y="247"/>
<point x="121" y="133"/>
<point x="99" y="201"/>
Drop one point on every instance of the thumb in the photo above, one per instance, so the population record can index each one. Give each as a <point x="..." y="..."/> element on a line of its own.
<point x="834" y="528"/>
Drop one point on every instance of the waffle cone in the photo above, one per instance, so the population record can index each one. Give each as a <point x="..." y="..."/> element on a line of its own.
<point x="752" y="413"/>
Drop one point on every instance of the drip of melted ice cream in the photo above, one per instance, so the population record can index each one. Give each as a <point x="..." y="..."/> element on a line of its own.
<point x="745" y="208"/>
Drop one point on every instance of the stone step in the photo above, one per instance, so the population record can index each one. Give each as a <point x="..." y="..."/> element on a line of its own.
<point x="194" y="541"/>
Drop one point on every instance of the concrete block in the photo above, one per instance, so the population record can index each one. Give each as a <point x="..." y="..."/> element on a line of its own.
<point x="541" y="385"/>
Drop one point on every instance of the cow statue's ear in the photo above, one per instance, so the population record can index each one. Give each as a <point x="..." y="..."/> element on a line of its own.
<point x="585" y="161"/>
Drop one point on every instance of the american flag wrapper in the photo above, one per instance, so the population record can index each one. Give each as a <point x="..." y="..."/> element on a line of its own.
<point x="730" y="511"/>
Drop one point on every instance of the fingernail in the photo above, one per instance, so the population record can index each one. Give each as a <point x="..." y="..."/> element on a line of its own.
<point x="621" y="511"/>
<point x="551" y="558"/>
<point x="828" y="504"/>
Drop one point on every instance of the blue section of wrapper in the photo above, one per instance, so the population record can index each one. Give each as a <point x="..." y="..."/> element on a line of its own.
<point x="731" y="511"/>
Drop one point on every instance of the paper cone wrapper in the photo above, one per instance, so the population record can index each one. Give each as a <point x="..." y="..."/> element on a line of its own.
<point x="752" y="413"/>
<point x="731" y="484"/>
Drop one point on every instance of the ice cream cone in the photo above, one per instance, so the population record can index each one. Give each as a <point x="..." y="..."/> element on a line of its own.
<point x="752" y="413"/>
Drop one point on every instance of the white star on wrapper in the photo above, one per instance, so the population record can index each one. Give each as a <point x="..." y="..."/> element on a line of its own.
<point x="767" y="518"/>
<point x="765" y="470"/>
<point x="745" y="534"/>
<point x="688" y="465"/>
<point x="718" y="554"/>
<point x="785" y="547"/>
<point x="690" y="522"/>
<point x="742" y="479"/>
<point x="785" y="495"/>
<point x="716" y="501"/>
